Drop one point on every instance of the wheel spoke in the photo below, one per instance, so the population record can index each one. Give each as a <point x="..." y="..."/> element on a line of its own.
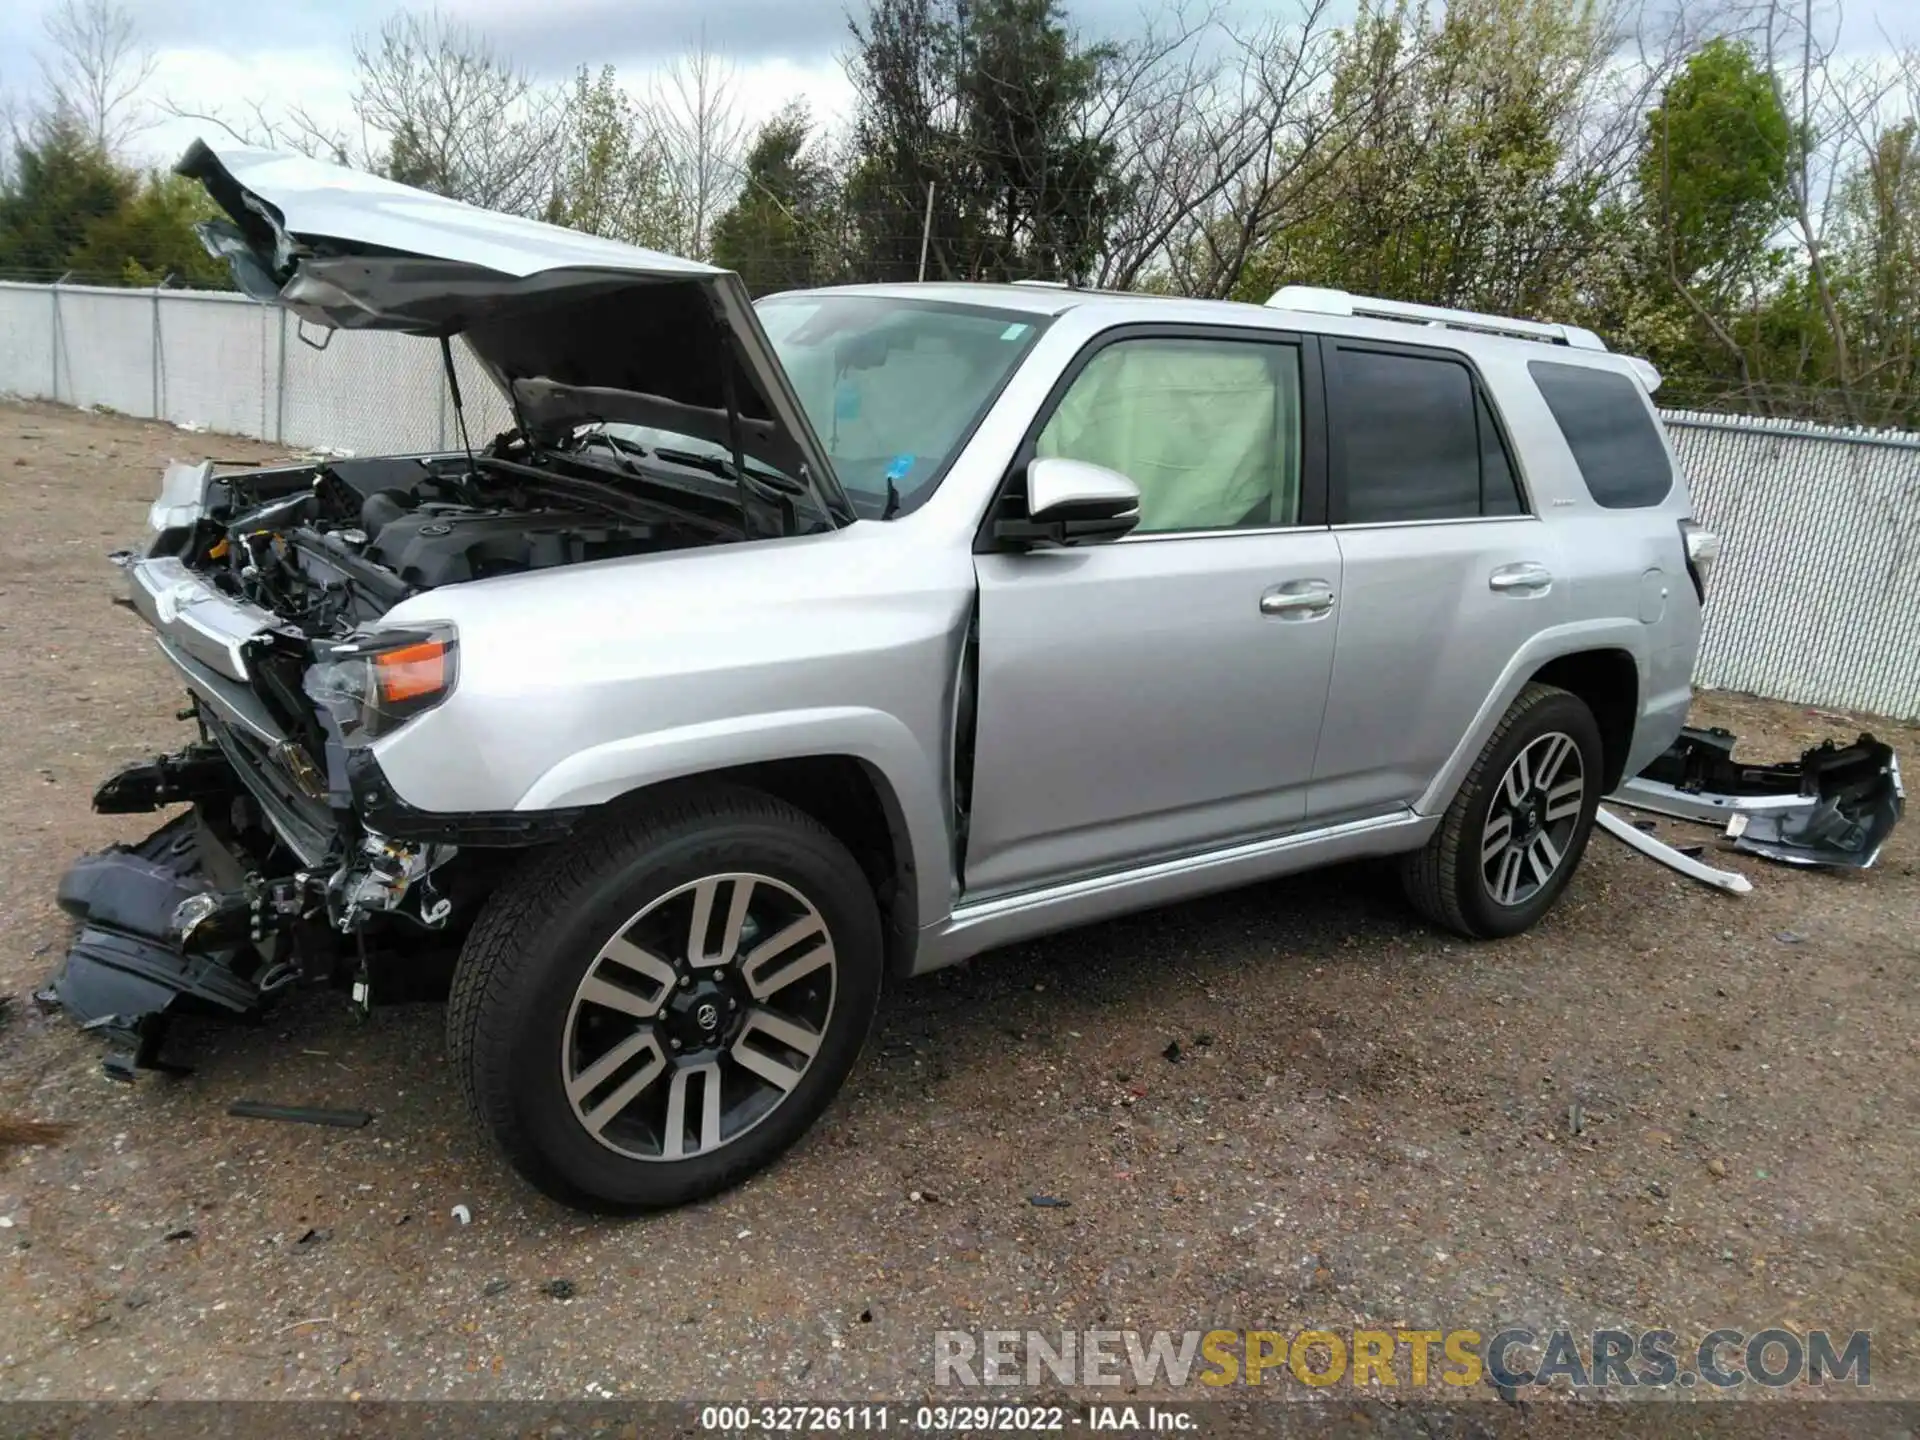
<point x="1518" y="780"/>
<point x="704" y="896"/>
<point x="1564" y="799"/>
<point x="1543" y="857"/>
<point x="761" y="984"/>
<point x="629" y="1090"/>
<point x="1557" y="749"/>
<point x="673" y="1139"/>
<point x="1507" y="888"/>
<point x="786" y="1032"/>
<point x="627" y="956"/>
<point x="599" y="992"/>
<point x="1498" y="832"/>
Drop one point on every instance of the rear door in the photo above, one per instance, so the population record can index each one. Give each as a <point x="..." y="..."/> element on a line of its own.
<point x="1445" y="572"/>
<point x="1161" y="694"/>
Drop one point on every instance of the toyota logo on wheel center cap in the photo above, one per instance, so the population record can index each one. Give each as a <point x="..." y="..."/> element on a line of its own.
<point x="707" y="1016"/>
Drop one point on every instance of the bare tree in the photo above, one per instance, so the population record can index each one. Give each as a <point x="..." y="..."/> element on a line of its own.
<point x="694" y="107"/>
<point x="455" y="116"/>
<point x="95" y="66"/>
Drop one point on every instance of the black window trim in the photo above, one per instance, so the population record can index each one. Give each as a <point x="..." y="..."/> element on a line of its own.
<point x="1336" y="452"/>
<point x="1313" y="426"/>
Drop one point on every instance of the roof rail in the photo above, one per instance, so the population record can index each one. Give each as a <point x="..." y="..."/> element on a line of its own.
<point x="1319" y="301"/>
<point x="1045" y="284"/>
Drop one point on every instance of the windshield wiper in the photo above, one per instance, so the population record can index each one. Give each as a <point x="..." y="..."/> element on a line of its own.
<point x="719" y="465"/>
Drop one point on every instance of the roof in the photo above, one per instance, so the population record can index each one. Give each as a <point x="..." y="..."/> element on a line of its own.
<point x="1125" y="305"/>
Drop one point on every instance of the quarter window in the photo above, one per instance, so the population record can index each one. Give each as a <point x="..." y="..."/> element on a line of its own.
<point x="1415" y="440"/>
<point x="1605" y="419"/>
<point x="1209" y="430"/>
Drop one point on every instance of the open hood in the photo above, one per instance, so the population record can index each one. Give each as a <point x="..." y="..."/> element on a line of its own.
<point x="574" y="327"/>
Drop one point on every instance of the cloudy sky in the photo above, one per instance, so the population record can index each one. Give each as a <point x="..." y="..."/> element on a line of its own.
<point x="216" y="52"/>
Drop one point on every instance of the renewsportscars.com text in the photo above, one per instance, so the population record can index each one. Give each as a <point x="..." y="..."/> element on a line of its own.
<point x="1512" y="1358"/>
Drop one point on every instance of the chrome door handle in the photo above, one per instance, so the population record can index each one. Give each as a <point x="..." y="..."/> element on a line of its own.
<point x="1526" y="578"/>
<point x="1298" y="600"/>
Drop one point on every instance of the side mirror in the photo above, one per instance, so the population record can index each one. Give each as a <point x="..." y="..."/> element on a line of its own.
<point x="1070" y="502"/>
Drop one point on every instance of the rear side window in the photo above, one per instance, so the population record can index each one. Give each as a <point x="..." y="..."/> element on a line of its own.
<point x="1606" y="423"/>
<point x="1415" y="440"/>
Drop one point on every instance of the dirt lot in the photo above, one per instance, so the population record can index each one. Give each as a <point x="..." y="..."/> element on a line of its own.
<point x="1366" y="1123"/>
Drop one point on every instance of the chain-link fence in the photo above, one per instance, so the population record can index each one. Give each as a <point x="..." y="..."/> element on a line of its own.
<point x="1817" y="599"/>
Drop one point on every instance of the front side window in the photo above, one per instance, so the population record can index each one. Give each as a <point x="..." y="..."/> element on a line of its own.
<point x="1208" y="429"/>
<point x="894" y="387"/>
<point x="1415" y="439"/>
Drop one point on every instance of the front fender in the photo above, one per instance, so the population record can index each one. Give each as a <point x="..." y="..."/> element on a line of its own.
<point x="618" y="767"/>
<point x="1570" y="639"/>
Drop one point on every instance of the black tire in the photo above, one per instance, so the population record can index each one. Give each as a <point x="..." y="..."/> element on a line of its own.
<point x="1447" y="880"/>
<point x="511" y="1011"/>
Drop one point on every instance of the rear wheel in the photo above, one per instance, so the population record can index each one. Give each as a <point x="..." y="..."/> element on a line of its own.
<point x="1516" y="830"/>
<point x="664" y="1005"/>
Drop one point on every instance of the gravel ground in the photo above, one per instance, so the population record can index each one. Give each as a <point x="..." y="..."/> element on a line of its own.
<point x="1366" y="1122"/>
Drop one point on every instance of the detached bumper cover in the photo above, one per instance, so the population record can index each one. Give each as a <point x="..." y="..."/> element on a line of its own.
<point x="1835" y="806"/>
<point x="126" y="969"/>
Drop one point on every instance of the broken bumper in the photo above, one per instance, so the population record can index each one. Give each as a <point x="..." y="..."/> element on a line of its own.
<point x="153" y="942"/>
<point x="1835" y="806"/>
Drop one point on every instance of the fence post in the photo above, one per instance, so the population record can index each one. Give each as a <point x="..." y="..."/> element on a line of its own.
<point x="53" y="295"/>
<point x="156" y="358"/>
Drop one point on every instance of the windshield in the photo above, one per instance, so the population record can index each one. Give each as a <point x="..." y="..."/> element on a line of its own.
<point x="894" y="387"/>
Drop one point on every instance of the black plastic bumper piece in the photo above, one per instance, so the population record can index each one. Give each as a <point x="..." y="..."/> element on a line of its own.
<point x="387" y="814"/>
<point x="126" y="974"/>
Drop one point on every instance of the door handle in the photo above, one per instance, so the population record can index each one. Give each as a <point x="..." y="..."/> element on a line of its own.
<point x="1298" y="600"/>
<point x="1526" y="578"/>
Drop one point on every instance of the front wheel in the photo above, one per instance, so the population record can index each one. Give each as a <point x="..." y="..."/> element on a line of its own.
<point x="1519" y="824"/>
<point x="667" y="1002"/>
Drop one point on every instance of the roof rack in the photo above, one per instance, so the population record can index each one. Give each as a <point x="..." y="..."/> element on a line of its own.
<point x="1319" y="301"/>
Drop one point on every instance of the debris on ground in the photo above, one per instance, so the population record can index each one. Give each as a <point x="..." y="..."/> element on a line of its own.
<point x="558" y="1289"/>
<point x="1048" y="1202"/>
<point x="1836" y="805"/>
<point x="300" y="1114"/>
<point x="1728" y="880"/>
<point x="463" y="1214"/>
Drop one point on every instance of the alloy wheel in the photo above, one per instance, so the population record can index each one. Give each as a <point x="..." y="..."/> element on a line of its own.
<point x="1532" y="818"/>
<point x="698" y="1017"/>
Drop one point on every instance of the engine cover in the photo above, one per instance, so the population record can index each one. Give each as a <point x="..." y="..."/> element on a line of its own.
<point x="445" y="544"/>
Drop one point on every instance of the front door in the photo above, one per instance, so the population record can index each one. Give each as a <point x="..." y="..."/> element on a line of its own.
<point x="1162" y="694"/>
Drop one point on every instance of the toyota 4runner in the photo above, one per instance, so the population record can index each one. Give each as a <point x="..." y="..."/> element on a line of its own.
<point x="777" y="650"/>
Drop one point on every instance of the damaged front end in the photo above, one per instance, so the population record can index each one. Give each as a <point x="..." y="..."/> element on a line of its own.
<point x="1835" y="806"/>
<point x="278" y="872"/>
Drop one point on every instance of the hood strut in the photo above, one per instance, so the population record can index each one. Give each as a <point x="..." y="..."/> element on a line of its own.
<point x="453" y="394"/>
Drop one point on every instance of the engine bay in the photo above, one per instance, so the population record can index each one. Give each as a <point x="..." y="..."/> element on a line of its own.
<point x="334" y="544"/>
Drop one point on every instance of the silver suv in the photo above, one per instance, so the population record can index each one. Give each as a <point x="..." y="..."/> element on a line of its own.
<point x="776" y="651"/>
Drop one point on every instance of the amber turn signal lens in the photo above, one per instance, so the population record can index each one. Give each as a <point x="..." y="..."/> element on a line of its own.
<point x="411" y="671"/>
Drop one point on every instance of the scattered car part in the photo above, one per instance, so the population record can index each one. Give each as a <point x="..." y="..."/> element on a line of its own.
<point x="301" y="1114"/>
<point x="1727" y="880"/>
<point x="1835" y="806"/>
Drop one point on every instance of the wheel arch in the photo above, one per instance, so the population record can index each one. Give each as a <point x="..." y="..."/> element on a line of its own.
<point x="1607" y="681"/>
<point x="854" y="800"/>
<point x="1599" y="657"/>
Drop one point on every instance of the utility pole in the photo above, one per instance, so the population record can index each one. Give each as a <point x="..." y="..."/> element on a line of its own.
<point x="926" y="231"/>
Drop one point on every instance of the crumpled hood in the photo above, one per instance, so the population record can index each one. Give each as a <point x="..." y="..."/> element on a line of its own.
<point x="600" y="329"/>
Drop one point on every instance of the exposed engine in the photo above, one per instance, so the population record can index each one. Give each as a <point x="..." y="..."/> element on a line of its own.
<point x="330" y="546"/>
